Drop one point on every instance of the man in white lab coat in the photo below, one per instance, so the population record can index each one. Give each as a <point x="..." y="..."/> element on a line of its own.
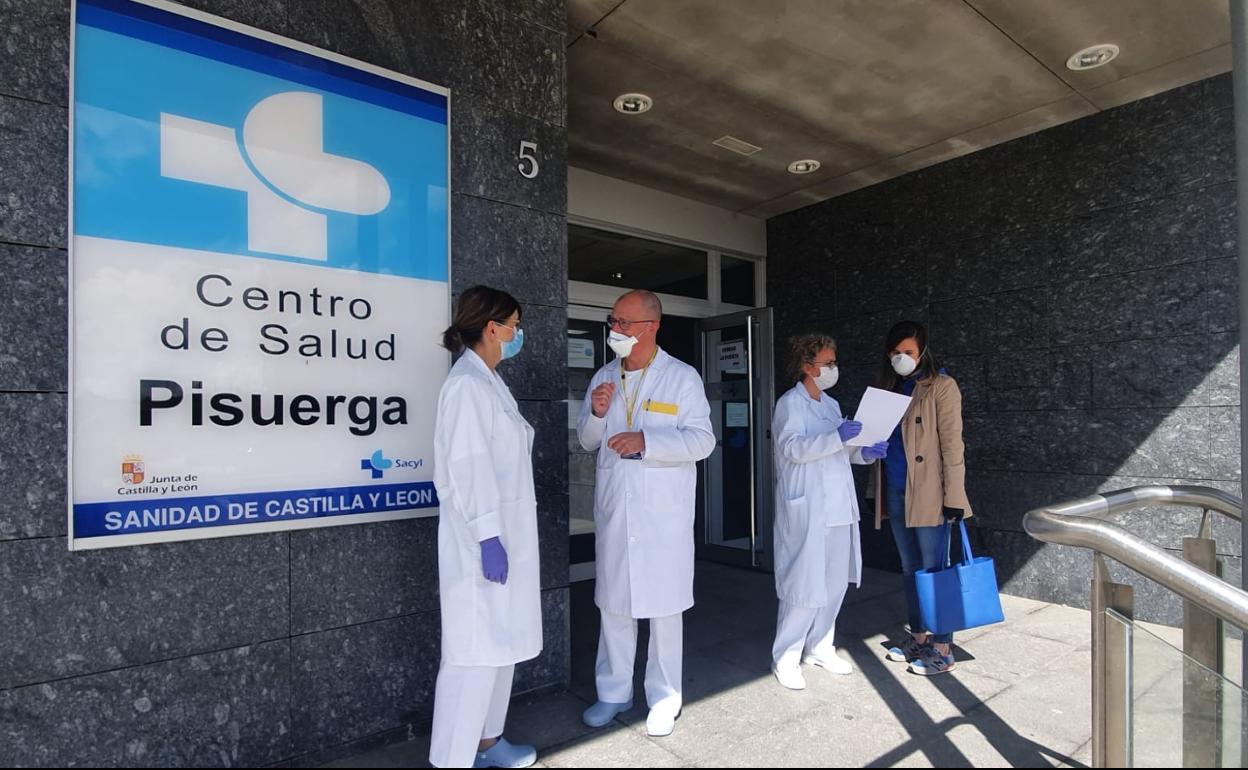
<point x="647" y="416"/>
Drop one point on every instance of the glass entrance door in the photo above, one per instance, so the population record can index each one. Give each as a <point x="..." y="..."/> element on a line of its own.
<point x="736" y="502"/>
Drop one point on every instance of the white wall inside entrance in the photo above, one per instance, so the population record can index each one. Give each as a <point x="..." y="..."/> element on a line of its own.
<point x="597" y="198"/>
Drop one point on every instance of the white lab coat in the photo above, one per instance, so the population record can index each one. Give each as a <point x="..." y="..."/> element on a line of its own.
<point x="483" y="471"/>
<point x="644" y="508"/>
<point x="814" y="490"/>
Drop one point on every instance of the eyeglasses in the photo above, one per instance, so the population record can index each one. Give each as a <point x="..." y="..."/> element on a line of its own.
<point x="624" y="326"/>
<point x="504" y="323"/>
<point x="823" y="363"/>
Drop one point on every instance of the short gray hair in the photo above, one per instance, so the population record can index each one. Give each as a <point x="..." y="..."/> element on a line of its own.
<point x="802" y="350"/>
<point x="649" y="300"/>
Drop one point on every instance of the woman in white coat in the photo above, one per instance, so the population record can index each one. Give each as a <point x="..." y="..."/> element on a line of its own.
<point x="488" y="563"/>
<point x="816" y="531"/>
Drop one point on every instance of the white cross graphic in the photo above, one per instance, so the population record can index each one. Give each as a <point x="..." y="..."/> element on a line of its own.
<point x="290" y="182"/>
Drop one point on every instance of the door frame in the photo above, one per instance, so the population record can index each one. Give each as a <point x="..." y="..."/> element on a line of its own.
<point x="761" y="384"/>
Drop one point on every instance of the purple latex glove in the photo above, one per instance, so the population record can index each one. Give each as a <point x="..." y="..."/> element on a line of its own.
<point x="849" y="429"/>
<point x="875" y="451"/>
<point x="494" y="561"/>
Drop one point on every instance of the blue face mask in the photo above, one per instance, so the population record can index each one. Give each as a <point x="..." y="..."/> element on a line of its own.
<point x="512" y="346"/>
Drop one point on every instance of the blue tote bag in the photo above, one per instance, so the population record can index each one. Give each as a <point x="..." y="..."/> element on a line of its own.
<point x="959" y="596"/>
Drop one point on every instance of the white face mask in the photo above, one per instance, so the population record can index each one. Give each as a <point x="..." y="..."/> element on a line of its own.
<point x="828" y="375"/>
<point x="904" y="365"/>
<point x="620" y="344"/>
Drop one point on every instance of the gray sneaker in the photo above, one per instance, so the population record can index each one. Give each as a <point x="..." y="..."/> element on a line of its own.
<point x="932" y="663"/>
<point x="909" y="650"/>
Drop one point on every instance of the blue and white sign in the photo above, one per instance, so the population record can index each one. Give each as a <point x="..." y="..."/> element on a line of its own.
<point x="259" y="280"/>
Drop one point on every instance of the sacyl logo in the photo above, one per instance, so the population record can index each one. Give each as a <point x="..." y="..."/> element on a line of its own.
<point x="378" y="464"/>
<point x="279" y="161"/>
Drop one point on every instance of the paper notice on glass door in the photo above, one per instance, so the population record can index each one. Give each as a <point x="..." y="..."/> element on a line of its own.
<point x="732" y="357"/>
<point x="879" y="413"/>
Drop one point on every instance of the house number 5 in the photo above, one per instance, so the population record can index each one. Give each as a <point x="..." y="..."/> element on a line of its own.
<point x="528" y="160"/>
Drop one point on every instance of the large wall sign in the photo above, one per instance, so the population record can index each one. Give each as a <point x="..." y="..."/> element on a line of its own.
<point x="259" y="279"/>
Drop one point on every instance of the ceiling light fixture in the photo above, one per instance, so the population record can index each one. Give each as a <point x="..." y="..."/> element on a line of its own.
<point x="804" y="166"/>
<point x="633" y="104"/>
<point x="1092" y="57"/>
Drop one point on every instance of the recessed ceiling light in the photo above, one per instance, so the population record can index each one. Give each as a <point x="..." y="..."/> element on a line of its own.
<point x="1092" y="57"/>
<point x="633" y="104"/>
<point x="803" y="166"/>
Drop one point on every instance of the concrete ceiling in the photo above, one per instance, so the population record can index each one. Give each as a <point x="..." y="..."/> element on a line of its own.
<point x="871" y="88"/>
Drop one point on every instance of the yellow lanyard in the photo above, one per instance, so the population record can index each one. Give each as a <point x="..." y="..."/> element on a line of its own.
<point x="630" y="404"/>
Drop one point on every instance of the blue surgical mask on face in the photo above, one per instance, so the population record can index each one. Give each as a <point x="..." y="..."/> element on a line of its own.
<point x="512" y="346"/>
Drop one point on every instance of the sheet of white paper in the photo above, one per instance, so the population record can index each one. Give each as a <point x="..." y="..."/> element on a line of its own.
<point x="580" y="352"/>
<point x="732" y="357"/>
<point x="879" y="413"/>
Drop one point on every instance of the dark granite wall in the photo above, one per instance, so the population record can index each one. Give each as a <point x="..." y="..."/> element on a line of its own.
<point x="263" y="649"/>
<point x="1080" y="284"/>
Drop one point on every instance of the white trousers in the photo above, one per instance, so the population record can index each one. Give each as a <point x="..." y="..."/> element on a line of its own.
<point x="810" y="629"/>
<point x="469" y="705"/>
<point x="617" y="649"/>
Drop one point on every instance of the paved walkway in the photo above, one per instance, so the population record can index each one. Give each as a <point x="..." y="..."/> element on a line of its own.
<point x="1019" y="697"/>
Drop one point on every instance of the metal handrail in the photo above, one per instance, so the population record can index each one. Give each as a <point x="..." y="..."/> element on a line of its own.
<point x="1077" y="523"/>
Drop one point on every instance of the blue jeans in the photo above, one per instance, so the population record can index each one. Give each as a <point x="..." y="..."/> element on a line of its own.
<point x="920" y="548"/>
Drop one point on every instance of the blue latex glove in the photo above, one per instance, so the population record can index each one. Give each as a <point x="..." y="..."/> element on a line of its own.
<point x="494" y="560"/>
<point x="849" y="429"/>
<point x="875" y="451"/>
